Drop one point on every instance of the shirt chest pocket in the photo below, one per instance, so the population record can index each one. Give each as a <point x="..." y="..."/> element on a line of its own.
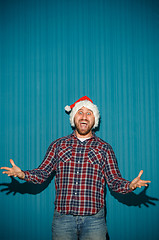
<point x="94" y="156"/>
<point x="65" y="154"/>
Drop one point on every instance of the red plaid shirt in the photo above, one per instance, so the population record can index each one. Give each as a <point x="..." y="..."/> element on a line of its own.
<point x="81" y="170"/>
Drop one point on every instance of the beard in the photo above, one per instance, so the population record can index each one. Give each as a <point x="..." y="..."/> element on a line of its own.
<point x="83" y="130"/>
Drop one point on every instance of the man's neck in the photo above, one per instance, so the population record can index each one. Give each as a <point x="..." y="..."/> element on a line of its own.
<point x="88" y="135"/>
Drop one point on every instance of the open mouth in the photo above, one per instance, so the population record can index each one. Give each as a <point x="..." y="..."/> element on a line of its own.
<point x="83" y="125"/>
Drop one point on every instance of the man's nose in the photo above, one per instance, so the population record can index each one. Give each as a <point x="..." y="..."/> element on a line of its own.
<point x="84" y="115"/>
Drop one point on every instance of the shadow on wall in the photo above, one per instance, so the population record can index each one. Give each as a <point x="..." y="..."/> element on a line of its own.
<point x="16" y="187"/>
<point x="130" y="199"/>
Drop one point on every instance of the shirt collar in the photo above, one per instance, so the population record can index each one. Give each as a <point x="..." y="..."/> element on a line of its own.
<point x="93" y="135"/>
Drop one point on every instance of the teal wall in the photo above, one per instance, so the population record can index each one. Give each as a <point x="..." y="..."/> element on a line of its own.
<point x="52" y="53"/>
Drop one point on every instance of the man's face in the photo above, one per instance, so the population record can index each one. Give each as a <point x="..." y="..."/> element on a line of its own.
<point x="84" y="121"/>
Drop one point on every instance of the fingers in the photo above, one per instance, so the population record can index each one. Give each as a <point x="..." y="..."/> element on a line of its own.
<point x="140" y="173"/>
<point x="138" y="183"/>
<point x="132" y="187"/>
<point x="8" y="171"/>
<point x="6" y="168"/>
<point x="12" y="162"/>
<point x="9" y="174"/>
<point x="142" y="183"/>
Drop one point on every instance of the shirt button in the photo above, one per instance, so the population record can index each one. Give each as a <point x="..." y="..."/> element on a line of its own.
<point x="76" y="182"/>
<point x="77" y="172"/>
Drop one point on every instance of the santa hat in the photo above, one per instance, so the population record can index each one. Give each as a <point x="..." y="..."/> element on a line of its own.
<point x="83" y="102"/>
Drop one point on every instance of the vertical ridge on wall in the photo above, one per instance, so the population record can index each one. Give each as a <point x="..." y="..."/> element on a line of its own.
<point x="53" y="52"/>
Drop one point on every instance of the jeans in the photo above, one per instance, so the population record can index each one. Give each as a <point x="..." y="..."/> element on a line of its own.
<point x="70" y="227"/>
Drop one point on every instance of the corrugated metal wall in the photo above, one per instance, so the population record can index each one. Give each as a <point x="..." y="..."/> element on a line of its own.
<point x="52" y="53"/>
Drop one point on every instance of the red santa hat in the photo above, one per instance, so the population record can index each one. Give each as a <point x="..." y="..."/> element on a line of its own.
<point x="83" y="102"/>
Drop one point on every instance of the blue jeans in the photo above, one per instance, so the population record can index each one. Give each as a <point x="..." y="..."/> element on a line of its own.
<point x="70" y="227"/>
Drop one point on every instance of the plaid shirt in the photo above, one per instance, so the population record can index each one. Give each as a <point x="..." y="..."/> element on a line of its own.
<point x="81" y="170"/>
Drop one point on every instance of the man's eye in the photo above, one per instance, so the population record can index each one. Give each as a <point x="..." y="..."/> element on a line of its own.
<point x="88" y="113"/>
<point x="80" y="112"/>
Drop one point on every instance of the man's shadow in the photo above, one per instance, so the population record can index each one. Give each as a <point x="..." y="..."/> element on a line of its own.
<point x="136" y="200"/>
<point x="16" y="187"/>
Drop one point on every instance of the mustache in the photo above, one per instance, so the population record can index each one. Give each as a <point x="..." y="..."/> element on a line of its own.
<point x="84" y="120"/>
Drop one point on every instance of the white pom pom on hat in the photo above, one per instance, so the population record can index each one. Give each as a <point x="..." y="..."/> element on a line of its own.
<point x="67" y="108"/>
<point x="83" y="102"/>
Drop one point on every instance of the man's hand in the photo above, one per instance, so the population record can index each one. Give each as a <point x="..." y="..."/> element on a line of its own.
<point x="137" y="182"/>
<point x="14" y="171"/>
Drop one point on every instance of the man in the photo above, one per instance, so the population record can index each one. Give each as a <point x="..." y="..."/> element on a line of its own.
<point x="84" y="164"/>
